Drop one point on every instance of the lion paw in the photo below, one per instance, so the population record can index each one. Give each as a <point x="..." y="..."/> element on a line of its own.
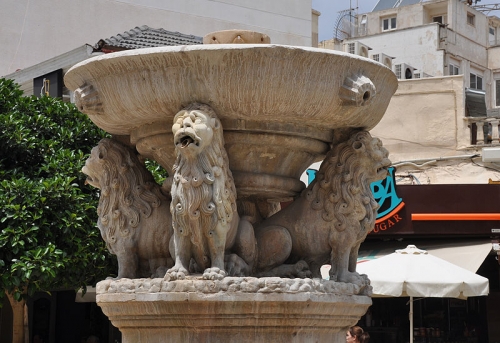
<point x="214" y="274"/>
<point x="159" y="272"/>
<point x="360" y="280"/>
<point x="302" y="270"/>
<point x="176" y="273"/>
<point x="298" y="270"/>
<point x="236" y="266"/>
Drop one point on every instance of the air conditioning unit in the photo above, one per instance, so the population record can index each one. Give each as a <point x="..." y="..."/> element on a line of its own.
<point x="404" y="71"/>
<point x="491" y="154"/>
<point x="357" y="48"/>
<point x="384" y="59"/>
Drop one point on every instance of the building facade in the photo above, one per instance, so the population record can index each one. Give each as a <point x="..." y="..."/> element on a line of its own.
<point x="431" y="38"/>
<point x="37" y="31"/>
<point x="441" y="129"/>
<point x="443" y="120"/>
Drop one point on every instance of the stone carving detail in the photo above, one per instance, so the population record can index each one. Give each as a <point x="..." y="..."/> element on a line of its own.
<point x="87" y="100"/>
<point x="326" y="224"/>
<point x="235" y="249"/>
<point x="331" y="218"/>
<point x="357" y="90"/>
<point x="236" y="37"/>
<point x="134" y="216"/>
<point x="205" y="220"/>
<point x="232" y="284"/>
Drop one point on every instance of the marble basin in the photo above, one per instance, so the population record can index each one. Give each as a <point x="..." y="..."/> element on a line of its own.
<point x="281" y="106"/>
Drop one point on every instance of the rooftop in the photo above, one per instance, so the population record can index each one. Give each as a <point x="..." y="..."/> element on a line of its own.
<point x="145" y="37"/>
<point x="386" y="4"/>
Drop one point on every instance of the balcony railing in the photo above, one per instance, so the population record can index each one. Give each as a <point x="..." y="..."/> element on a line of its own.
<point x="484" y="130"/>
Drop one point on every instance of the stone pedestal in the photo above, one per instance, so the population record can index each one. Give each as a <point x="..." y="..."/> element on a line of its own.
<point x="232" y="310"/>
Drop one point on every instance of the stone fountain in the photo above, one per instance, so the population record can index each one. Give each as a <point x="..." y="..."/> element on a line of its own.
<point x="210" y="256"/>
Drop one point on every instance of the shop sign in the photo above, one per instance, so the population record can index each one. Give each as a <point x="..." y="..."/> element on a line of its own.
<point x="389" y="212"/>
<point x="384" y="192"/>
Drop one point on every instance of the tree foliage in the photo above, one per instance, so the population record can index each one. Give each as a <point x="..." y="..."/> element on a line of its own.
<point x="48" y="234"/>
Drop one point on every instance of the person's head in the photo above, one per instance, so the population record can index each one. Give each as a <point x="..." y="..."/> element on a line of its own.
<point x="356" y="334"/>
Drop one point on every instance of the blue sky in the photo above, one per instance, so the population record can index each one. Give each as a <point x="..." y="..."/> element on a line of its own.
<point x="329" y="11"/>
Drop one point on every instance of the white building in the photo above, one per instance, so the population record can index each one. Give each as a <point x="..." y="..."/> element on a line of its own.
<point x="36" y="31"/>
<point x="447" y="57"/>
<point x="437" y="37"/>
<point x="434" y="38"/>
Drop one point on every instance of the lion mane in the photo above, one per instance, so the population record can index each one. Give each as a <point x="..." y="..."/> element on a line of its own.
<point x="129" y="205"/>
<point x="203" y="191"/>
<point x="333" y="215"/>
<point x="341" y="188"/>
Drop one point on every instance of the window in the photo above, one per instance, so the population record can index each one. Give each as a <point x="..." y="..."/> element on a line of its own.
<point x="351" y="48"/>
<point x="453" y="69"/>
<point x="438" y="19"/>
<point x="362" y="25"/>
<point x="476" y="81"/>
<point x="497" y="93"/>
<point x="389" y="24"/>
<point x="492" y="36"/>
<point x="471" y="18"/>
<point x="397" y="71"/>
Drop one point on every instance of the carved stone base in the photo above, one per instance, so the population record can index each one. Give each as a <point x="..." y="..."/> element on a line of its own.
<point x="232" y="310"/>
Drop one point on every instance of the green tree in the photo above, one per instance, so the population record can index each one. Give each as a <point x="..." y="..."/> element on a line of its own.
<point x="48" y="234"/>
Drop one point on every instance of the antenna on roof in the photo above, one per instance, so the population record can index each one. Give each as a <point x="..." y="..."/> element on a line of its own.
<point x="346" y="22"/>
<point x="487" y="8"/>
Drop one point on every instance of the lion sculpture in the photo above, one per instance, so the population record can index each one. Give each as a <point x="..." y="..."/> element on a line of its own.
<point x="134" y="213"/>
<point x="207" y="227"/>
<point x="331" y="218"/>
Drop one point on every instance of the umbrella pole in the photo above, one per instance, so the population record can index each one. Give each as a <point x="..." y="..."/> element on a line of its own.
<point x="410" y="316"/>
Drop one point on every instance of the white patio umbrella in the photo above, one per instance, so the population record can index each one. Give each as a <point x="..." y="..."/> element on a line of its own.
<point x="412" y="272"/>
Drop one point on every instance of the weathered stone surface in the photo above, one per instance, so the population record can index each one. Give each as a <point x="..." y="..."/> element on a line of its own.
<point x="236" y="37"/>
<point x="280" y="105"/>
<point x="204" y="214"/>
<point x="232" y="309"/>
<point x="332" y="217"/>
<point x="134" y="213"/>
<point x="196" y="283"/>
<point x="282" y="108"/>
<point x="139" y="87"/>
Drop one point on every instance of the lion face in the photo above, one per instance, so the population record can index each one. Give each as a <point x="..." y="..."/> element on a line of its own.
<point x="375" y="161"/>
<point x="93" y="167"/>
<point x="193" y="131"/>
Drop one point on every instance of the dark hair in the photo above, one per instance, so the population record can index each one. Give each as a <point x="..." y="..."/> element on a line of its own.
<point x="361" y="335"/>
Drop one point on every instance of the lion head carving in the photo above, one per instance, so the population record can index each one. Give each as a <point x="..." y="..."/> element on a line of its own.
<point x="134" y="217"/>
<point x="203" y="193"/>
<point x="341" y="188"/>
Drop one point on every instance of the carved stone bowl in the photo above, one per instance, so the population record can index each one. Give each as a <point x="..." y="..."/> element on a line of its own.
<point x="281" y="106"/>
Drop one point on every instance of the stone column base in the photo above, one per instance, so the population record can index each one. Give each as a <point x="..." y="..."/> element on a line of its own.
<point x="232" y="310"/>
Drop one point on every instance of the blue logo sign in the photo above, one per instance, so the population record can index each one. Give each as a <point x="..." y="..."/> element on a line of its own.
<point x="383" y="191"/>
